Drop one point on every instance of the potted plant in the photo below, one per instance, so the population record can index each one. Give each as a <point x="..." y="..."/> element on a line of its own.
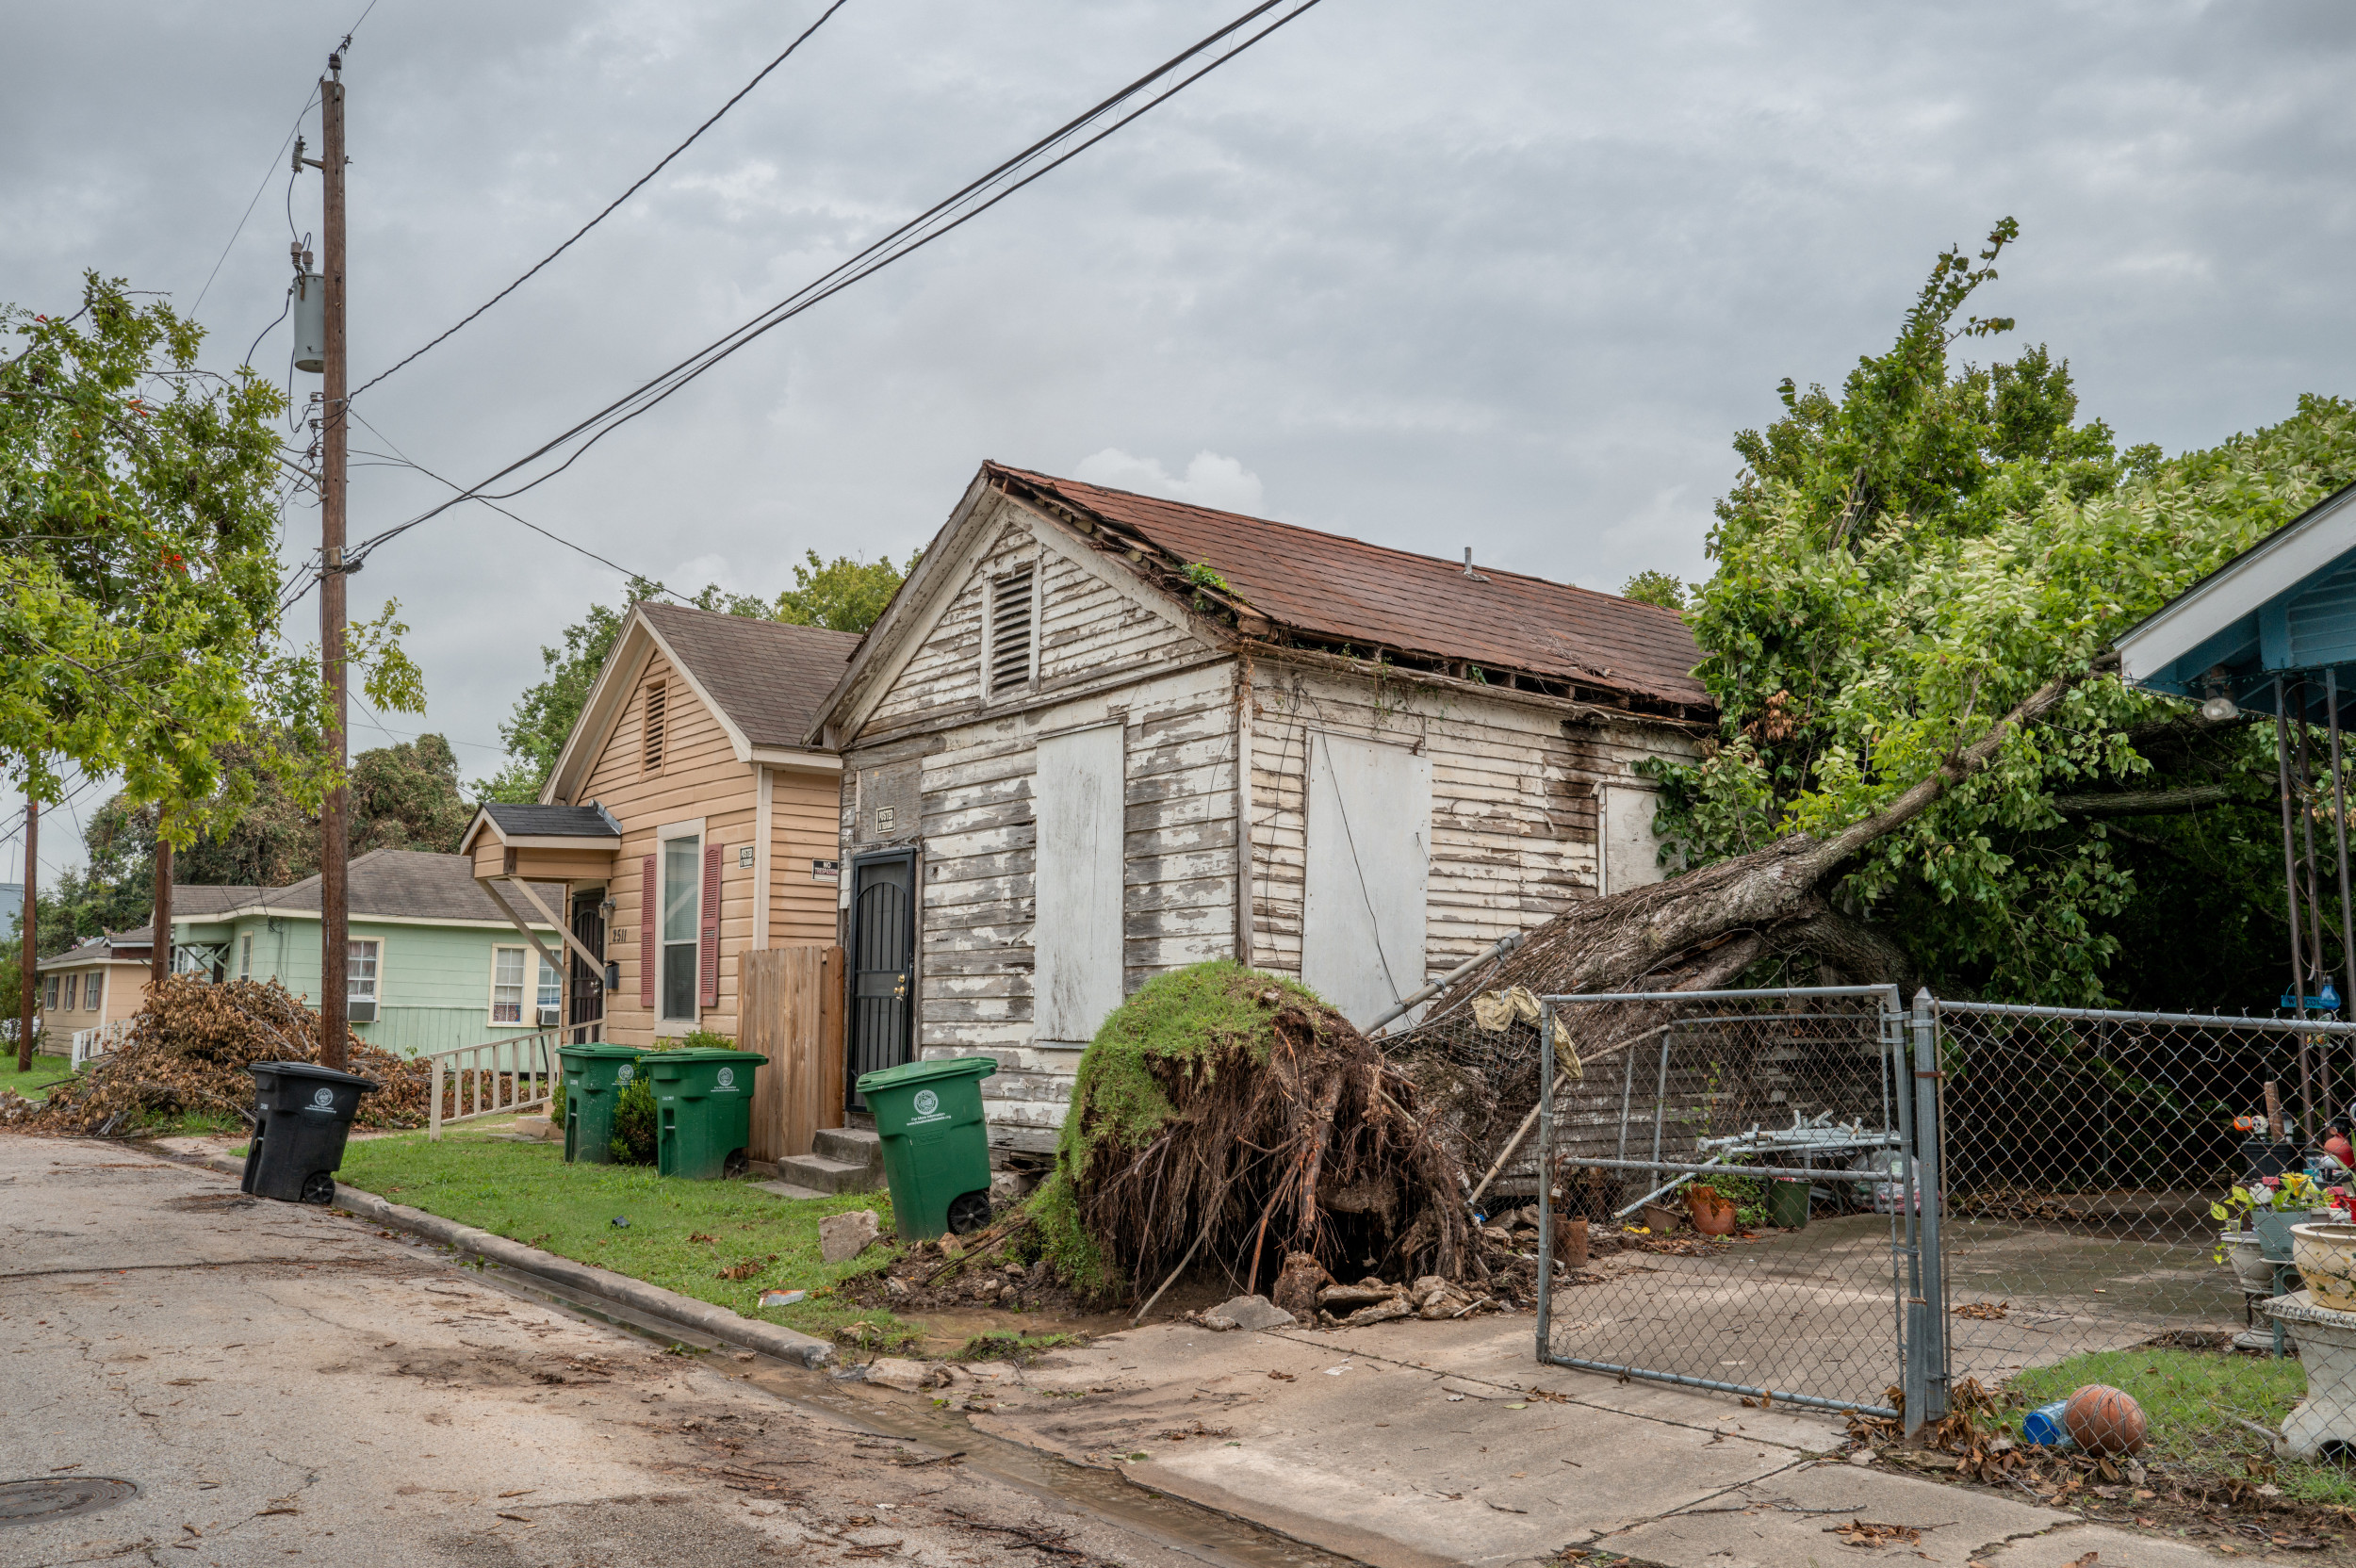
<point x="2326" y="1255"/>
<point x="2273" y="1205"/>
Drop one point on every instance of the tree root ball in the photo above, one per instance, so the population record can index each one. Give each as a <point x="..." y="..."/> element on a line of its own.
<point x="2104" y="1420"/>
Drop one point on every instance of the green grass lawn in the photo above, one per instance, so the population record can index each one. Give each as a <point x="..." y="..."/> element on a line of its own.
<point x="680" y="1234"/>
<point x="2189" y="1397"/>
<point x="33" y="1085"/>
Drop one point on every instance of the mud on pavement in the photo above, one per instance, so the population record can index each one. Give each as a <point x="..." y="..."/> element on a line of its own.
<point x="281" y="1384"/>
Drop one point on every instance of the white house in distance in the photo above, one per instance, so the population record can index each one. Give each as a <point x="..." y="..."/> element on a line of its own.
<point x="1099" y="736"/>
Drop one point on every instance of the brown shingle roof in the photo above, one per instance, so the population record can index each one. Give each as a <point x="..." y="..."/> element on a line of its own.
<point x="412" y="884"/>
<point x="1352" y="592"/>
<point x="769" y="678"/>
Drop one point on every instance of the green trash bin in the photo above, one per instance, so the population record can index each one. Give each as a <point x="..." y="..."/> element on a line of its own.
<point x="595" y="1076"/>
<point x="936" y="1146"/>
<point x="703" y="1109"/>
<point x="1786" y="1203"/>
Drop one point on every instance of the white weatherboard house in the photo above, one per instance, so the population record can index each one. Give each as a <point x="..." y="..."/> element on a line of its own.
<point x="1099" y="736"/>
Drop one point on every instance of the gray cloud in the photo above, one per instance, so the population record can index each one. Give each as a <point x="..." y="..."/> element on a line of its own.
<point x="1487" y="275"/>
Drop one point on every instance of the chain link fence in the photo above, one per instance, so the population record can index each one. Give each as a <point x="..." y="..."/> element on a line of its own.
<point x="1779" y="1121"/>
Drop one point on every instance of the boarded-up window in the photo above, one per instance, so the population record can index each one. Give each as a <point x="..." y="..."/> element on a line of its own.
<point x="1012" y="643"/>
<point x="1631" y="855"/>
<point x="650" y="733"/>
<point x="1076" y="941"/>
<point x="1370" y="825"/>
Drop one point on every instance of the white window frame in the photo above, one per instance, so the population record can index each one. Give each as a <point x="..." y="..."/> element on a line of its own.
<point x="375" y="981"/>
<point x="664" y="837"/>
<point x="50" y="990"/>
<point x="545" y="976"/>
<point x="93" y="990"/>
<point x="522" y="952"/>
<point x="245" y="956"/>
<point x="73" y="990"/>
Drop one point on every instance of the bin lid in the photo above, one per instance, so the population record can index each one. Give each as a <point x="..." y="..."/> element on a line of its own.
<point x="701" y="1054"/>
<point x="917" y="1072"/>
<point x="313" y="1071"/>
<point x="598" y="1048"/>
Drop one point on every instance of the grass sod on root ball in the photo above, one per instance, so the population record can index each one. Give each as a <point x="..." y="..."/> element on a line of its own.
<point x="681" y="1234"/>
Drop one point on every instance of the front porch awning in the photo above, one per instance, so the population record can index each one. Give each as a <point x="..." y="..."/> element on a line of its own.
<point x="542" y="844"/>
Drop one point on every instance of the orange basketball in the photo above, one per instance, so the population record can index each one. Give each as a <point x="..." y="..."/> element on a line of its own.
<point x="2104" y="1420"/>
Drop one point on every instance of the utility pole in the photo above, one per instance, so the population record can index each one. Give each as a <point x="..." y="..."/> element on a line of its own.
<point x="159" y="963"/>
<point x="334" y="832"/>
<point x="32" y="904"/>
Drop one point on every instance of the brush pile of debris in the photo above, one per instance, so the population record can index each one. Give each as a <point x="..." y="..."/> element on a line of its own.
<point x="188" y="1051"/>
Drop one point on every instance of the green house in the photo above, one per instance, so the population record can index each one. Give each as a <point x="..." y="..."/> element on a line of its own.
<point x="433" y="963"/>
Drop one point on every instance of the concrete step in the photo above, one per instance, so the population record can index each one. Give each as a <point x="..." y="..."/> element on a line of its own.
<point x="826" y="1175"/>
<point x="788" y="1189"/>
<point x="852" y="1146"/>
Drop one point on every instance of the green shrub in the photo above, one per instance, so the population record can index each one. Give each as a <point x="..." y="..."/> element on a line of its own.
<point x="633" y="1122"/>
<point x="556" y="1101"/>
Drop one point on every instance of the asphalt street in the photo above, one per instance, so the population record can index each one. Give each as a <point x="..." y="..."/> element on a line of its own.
<point x="282" y="1384"/>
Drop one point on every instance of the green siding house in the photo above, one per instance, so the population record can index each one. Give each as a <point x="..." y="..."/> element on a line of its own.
<point x="434" y="964"/>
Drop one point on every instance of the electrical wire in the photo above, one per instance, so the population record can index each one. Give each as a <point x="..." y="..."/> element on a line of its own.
<point x="914" y="235"/>
<point x="635" y="187"/>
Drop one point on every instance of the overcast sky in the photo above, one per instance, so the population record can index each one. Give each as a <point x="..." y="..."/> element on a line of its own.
<point x="1499" y="275"/>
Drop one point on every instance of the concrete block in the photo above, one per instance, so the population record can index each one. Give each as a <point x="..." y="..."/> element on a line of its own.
<point x="1248" y="1312"/>
<point x="842" y="1236"/>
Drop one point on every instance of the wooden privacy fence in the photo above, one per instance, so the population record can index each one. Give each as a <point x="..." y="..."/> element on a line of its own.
<point x="491" y="1078"/>
<point x="792" y="999"/>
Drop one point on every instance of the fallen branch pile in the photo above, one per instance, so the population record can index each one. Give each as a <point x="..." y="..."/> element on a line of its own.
<point x="189" y="1052"/>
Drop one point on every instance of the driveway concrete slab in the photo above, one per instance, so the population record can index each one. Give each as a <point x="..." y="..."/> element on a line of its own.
<point x="1794" y="1519"/>
<point x="2113" y="1549"/>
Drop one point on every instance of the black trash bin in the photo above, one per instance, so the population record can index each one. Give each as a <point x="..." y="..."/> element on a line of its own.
<point x="301" y="1115"/>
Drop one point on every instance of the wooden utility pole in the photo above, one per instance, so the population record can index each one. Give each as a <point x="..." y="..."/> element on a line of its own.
<point x="159" y="964"/>
<point x="334" y="833"/>
<point x="31" y="975"/>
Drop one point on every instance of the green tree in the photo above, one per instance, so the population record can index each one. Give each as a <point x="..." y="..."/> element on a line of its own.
<point x="842" y="595"/>
<point x="1655" y="587"/>
<point x="140" y="582"/>
<point x="1899" y="566"/>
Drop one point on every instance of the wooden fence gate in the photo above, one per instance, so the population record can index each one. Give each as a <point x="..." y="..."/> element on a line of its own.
<point x="792" y="1014"/>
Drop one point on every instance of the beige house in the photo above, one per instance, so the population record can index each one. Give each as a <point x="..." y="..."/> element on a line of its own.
<point x="1099" y="736"/>
<point x="90" y="990"/>
<point x="687" y="817"/>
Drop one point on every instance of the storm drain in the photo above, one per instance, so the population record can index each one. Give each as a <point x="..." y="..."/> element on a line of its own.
<point x="56" y="1496"/>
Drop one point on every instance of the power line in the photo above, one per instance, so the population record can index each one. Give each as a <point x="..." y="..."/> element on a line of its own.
<point x="618" y="201"/>
<point x="244" y="217"/>
<point x="942" y="217"/>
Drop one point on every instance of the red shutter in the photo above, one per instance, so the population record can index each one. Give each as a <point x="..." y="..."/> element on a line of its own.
<point x="708" y="959"/>
<point x="649" y="894"/>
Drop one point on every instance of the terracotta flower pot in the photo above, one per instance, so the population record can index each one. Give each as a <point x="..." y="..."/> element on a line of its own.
<point x="1714" y="1215"/>
<point x="1570" y="1243"/>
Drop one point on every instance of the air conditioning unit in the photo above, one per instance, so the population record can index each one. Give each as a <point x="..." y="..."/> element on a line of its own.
<point x="550" y="1016"/>
<point x="361" y="1010"/>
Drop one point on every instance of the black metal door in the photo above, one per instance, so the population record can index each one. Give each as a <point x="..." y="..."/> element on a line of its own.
<point x="883" y="967"/>
<point x="588" y="983"/>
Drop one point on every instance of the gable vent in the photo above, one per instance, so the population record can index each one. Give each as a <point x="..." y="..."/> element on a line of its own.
<point x="650" y="740"/>
<point x="1011" y="630"/>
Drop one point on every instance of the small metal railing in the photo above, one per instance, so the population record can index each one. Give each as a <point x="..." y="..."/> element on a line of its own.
<point x="88" y="1044"/>
<point x="495" y="1078"/>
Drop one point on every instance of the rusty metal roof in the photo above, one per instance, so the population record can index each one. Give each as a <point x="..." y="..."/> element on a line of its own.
<point x="1371" y="598"/>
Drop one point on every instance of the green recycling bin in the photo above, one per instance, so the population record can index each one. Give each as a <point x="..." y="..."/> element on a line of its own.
<point x="936" y="1146"/>
<point x="595" y="1076"/>
<point x="703" y="1109"/>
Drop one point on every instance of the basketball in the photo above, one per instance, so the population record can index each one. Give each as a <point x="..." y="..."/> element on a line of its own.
<point x="2104" y="1420"/>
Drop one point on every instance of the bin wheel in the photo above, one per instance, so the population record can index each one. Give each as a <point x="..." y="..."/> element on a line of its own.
<point x="969" y="1213"/>
<point x="318" y="1187"/>
<point x="734" y="1166"/>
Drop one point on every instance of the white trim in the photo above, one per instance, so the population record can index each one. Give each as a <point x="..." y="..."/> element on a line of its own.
<point x="764" y="830"/>
<point x="491" y="993"/>
<point x="378" y="997"/>
<point x="790" y="757"/>
<point x="2238" y="588"/>
<point x="265" y="911"/>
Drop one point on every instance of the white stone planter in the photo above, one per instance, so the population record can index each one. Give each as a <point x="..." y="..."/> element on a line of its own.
<point x="2326" y="1255"/>
<point x="2327" y="1352"/>
<point x="2245" y="1250"/>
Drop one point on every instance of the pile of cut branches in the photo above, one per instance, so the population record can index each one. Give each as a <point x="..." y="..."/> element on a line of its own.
<point x="188" y="1051"/>
<point x="1230" y="1116"/>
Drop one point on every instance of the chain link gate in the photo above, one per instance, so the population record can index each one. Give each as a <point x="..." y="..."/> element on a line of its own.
<point x="1808" y="1098"/>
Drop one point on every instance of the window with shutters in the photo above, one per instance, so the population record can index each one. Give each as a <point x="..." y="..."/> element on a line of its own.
<point x="93" y="989"/>
<point x="1013" y="631"/>
<point x="650" y="733"/>
<point x="683" y="893"/>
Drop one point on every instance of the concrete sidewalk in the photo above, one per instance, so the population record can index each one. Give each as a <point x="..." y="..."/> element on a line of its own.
<point x="1413" y="1445"/>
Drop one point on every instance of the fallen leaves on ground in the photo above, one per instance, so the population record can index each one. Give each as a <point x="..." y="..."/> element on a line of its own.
<point x="1866" y="1532"/>
<point x="1985" y="1312"/>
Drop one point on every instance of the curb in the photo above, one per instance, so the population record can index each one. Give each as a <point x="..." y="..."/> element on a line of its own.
<point x="721" y="1324"/>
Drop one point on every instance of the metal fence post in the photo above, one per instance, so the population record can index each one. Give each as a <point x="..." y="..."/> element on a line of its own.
<point x="1926" y="1364"/>
<point x="1546" y="1177"/>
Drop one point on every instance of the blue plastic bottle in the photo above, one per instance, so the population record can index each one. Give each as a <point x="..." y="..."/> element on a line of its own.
<point x="2043" y="1426"/>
